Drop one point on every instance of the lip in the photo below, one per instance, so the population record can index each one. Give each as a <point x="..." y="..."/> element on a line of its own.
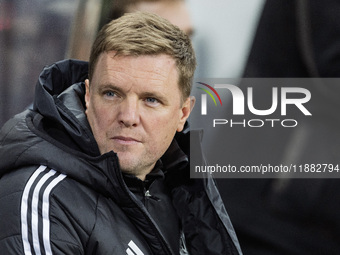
<point x="125" y="140"/>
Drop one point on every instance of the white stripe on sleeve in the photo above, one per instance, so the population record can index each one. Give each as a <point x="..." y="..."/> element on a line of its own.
<point x="49" y="183"/>
<point x="24" y="208"/>
<point x="45" y="212"/>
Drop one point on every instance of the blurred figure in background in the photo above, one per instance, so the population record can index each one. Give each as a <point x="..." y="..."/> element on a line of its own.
<point x="176" y="11"/>
<point x="291" y="216"/>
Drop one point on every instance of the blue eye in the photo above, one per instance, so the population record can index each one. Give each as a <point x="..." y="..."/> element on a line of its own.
<point x="151" y="100"/>
<point x="110" y="93"/>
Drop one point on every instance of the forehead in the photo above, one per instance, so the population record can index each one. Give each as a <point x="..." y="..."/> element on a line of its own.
<point x="151" y="69"/>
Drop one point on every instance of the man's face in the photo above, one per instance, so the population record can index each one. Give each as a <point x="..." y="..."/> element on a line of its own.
<point x="134" y="107"/>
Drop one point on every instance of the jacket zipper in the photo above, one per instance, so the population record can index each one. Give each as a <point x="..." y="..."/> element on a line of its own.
<point x="148" y="196"/>
<point x="162" y="240"/>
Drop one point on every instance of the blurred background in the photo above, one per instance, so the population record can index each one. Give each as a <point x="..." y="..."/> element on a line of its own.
<point x="36" y="33"/>
<point x="232" y="39"/>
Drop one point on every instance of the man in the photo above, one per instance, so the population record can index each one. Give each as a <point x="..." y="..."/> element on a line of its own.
<point x="100" y="165"/>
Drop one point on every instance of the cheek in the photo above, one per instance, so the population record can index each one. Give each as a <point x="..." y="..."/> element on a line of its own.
<point x="163" y="129"/>
<point x="98" y="117"/>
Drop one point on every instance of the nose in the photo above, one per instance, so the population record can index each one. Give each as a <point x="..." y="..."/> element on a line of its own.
<point x="128" y="112"/>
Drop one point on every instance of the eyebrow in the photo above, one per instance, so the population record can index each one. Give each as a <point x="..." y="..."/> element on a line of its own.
<point x="110" y="86"/>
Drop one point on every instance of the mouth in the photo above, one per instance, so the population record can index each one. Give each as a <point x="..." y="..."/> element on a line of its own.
<point x="125" y="140"/>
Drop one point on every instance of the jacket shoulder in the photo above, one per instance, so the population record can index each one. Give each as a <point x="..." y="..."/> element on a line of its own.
<point x="42" y="209"/>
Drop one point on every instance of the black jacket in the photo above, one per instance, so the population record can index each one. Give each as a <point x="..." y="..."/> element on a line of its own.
<point x="58" y="195"/>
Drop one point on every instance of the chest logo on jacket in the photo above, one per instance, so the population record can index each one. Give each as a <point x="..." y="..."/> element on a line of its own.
<point x="133" y="249"/>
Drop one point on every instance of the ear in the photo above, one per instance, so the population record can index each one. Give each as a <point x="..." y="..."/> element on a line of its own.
<point x="87" y="93"/>
<point x="186" y="109"/>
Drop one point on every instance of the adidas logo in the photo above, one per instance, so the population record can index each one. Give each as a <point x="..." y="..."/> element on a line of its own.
<point x="133" y="249"/>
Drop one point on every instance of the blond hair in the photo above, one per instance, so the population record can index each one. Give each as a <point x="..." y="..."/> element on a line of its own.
<point x="136" y="34"/>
